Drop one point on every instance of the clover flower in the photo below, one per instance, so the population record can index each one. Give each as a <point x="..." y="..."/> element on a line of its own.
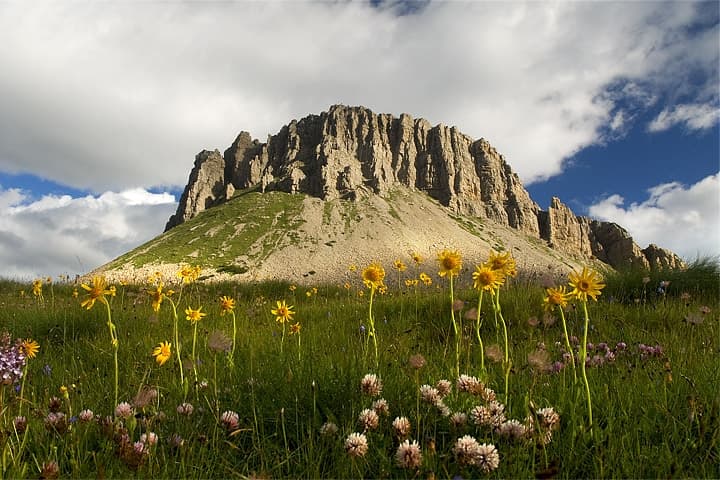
<point x="20" y="424"/>
<point x="512" y="429"/>
<point x="443" y="387"/>
<point x="381" y="407"/>
<point x="408" y="455"/>
<point x="466" y="450"/>
<point x="368" y="419"/>
<point x="488" y="458"/>
<point x="12" y="361"/>
<point x="230" y="420"/>
<point x="401" y="427"/>
<point x="458" y="419"/>
<point x="356" y="445"/>
<point x="371" y="385"/>
<point x="124" y="410"/>
<point x="328" y="429"/>
<point x="185" y="409"/>
<point x="86" y="416"/>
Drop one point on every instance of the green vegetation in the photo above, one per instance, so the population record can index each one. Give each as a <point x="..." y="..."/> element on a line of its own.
<point x="250" y="225"/>
<point x="653" y="373"/>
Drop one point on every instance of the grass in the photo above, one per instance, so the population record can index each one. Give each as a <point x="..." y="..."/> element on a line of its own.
<point x="657" y="412"/>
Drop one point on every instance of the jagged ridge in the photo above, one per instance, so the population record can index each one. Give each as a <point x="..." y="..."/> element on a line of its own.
<point x="349" y="150"/>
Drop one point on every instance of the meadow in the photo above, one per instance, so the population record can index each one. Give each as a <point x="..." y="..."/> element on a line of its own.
<point x="380" y="376"/>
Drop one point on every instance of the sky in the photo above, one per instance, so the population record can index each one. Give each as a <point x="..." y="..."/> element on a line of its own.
<point x="614" y="107"/>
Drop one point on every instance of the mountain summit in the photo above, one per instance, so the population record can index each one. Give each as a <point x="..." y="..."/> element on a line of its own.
<point x="351" y="186"/>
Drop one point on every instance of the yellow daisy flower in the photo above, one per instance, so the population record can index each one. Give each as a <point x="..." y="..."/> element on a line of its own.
<point x="227" y="304"/>
<point x="587" y="283"/>
<point x="295" y="328"/>
<point x="503" y="262"/>
<point x="487" y="279"/>
<point x="425" y="279"/>
<point x="283" y="313"/>
<point x="162" y="352"/>
<point x="556" y="297"/>
<point x="399" y="265"/>
<point x="194" y="315"/>
<point x="96" y="292"/>
<point x="417" y="258"/>
<point x="29" y="347"/>
<point x="450" y="262"/>
<point x="37" y="288"/>
<point x="157" y="296"/>
<point x="373" y="275"/>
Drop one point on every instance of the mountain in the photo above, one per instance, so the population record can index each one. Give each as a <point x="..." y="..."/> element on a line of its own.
<point x="349" y="186"/>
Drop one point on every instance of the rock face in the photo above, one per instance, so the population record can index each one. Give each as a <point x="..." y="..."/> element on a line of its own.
<point x="347" y="152"/>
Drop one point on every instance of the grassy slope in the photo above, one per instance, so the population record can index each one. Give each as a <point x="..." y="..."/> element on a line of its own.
<point x="656" y="416"/>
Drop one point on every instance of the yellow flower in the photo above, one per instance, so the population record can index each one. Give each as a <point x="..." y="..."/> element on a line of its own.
<point x="96" y="292"/>
<point x="417" y="258"/>
<point x="556" y="297"/>
<point x="399" y="265"/>
<point x="283" y="313"/>
<point x="352" y="268"/>
<point x="411" y="282"/>
<point x="295" y="328"/>
<point x="503" y="262"/>
<point x="112" y="290"/>
<point x="22" y="293"/>
<point x="29" y="347"/>
<point x="373" y="275"/>
<point x="425" y="278"/>
<point x="487" y="279"/>
<point x="227" y="304"/>
<point x="450" y="263"/>
<point x="314" y="290"/>
<point x="162" y="352"/>
<point x="194" y="315"/>
<point x="346" y="286"/>
<point x="48" y="280"/>
<point x="292" y="288"/>
<point x="37" y="288"/>
<point x="588" y="283"/>
<point x="189" y="274"/>
<point x="382" y="289"/>
<point x="308" y="293"/>
<point x="157" y="296"/>
<point x="75" y="293"/>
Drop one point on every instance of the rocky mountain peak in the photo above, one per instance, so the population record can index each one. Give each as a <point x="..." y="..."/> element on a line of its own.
<point x="349" y="152"/>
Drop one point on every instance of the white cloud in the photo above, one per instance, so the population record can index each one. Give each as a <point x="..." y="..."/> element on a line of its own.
<point x="64" y="235"/>
<point x="693" y="117"/>
<point x="118" y="94"/>
<point x="685" y="219"/>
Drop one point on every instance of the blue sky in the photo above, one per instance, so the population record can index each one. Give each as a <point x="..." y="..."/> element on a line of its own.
<point x="611" y="106"/>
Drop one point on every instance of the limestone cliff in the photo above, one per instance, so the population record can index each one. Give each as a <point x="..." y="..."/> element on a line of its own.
<point x="348" y="151"/>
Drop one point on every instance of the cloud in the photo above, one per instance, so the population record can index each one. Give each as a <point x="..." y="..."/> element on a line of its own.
<point x="112" y="95"/>
<point x="684" y="219"/>
<point x="693" y="117"/>
<point x="78" y="234"/>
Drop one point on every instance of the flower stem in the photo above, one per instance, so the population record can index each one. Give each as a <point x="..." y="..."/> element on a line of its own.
<point x="567" y="343"/>
<point x="114" y="342"/>
<point x="583" y="355"/>
<point x="455" y="327"/>
<point x="371" y="319"/>
<point x="506" y="364"/>
<point x="232" y="352"/>
<point x="177" y="340"/>
<point x="478" y="324"/>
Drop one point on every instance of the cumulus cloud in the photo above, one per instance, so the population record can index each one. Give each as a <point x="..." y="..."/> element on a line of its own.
<point x="110" y="95"/>
<point x="57" y="235"/>
<point x="693" y="117"/>
<point x="685" y="219"/>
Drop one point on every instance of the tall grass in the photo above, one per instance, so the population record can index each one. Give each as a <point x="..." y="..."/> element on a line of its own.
<point x="656" y="406"/>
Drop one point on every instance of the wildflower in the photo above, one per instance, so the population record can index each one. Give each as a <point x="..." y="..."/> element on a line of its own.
<point x="443" y="387"/>
<point x="373" y="275"/>
<point x="230" y="420"/>
<point x="587" y="283"/>
<point x="96" y="292"/>
<point x="487" y="279"/>
<point x="466" y="450"/>
<point x="417" y="361"/>
<point x="408" y="455"/>
<point x="295" y="328"/>
<point x="450" y="263"/>
<point x="12" y="361"/>
<point x="189" y="274"/>
<point x="458" y="419"/>
<point x="185" y="409"/>
<point x="292" y="288"/>
<point x="124" y="410"/>
<point x="194" y="315"/>
<point x="488" y="458"/>
<point x="283" y="313"/>
<point x="399" y="265"/>
<point x="29" y="347"/>
<point x="425" y="279"/>
<point x="162" y="352"/>
<point x="381" y="406"/>
<point x="37" y="288"/>
<point x="75" y="293"/>
<point x="371" y="385"/>
<point x="417" y="258"/>
<point x="56" y="421"/>
<point x="548" y="418"/>
<point x="502" y="262"/>
<point x="308" y="293"/>
<point x="112" y="291"/>
<point x="347" y="286"/>
<point x="411" y="282"/>
<point x="466" y="383"/>
<point x="176" y="441"/>
<point x="227" y="304"/>
<point x="144" y="397"/>
<point x="328" y="429"/>
<point x="401" y="427"/>
<point x="50" y="470"/>
<point x="705" y="309"/>
<point x="86" y="416"/>
<point x="512" y="429"/>
<point x="494" y="353"/>
<point x="20" y="424"/>
<point x="157" y="296"/>
<point x="556" y="297"/>
<point x="352" y="268"/>
<point x="368" y="419"/>
<point x="429" y="394"/>
<point x="356" y="445"/>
